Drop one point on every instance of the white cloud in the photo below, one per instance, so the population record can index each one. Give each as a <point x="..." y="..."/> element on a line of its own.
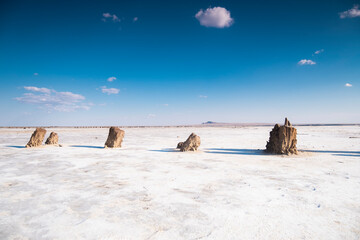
<point x="151" y="115"/>
<point x="348" y="85"/>
<point x="351" y="13"/>
<point x="166" y="104"/>
<point x="107" y="15"/>
<point x="113" y="17"/>
<point x="110" y="79"/>
<point x="109" y="91"/>
<point x="217" y="17"/>
<point x="306" y="62"/>
<point x="35" y="74"/>
<point x="319" y="51"/>
<point x="203" y="96"/>
<point x="53" y="100"/>
<point x="36" y="89"/>
<point x="135" y="19"/>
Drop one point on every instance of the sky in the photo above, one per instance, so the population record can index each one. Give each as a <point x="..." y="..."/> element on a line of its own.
<point x="152" y="62"/>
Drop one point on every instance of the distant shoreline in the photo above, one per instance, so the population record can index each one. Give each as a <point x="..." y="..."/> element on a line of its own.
<point x="195" y="125"/>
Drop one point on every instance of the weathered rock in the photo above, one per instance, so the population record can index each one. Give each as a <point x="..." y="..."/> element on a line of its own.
<point x="115" y="138"/>
<point x="191" y="144"/>
<point x="36" y="138"/>
<point x="53" y="139"/>
<point x="179" y="145"/>
<point x="282" y="139"/>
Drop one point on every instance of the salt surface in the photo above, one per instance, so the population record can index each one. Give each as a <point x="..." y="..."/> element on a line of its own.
<point x="229" y="189"/>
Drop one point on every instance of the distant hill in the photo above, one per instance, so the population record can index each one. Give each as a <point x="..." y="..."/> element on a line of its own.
<point x="221" y="124"/>
<point x="210" y="122"/>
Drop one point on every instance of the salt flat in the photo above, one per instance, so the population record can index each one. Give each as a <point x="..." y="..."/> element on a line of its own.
<point x="229" y="189"/>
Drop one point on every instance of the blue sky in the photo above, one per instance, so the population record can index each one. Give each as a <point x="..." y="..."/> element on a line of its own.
<point x="179" y="62"/>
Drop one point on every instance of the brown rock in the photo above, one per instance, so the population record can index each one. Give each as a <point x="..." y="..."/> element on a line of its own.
<point x="191" y="144"/>
<point x="115" y="138"/>
<point x="179" y="145"/>
<point x="53" y="139"/>
<point x="36" y="138"/>
<point x="282" y="139"/>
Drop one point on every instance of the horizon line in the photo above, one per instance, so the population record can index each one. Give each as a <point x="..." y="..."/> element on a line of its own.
<point x="185" y="125"/>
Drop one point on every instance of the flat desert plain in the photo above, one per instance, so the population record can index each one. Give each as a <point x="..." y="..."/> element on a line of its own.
<point x="229" y="189"/>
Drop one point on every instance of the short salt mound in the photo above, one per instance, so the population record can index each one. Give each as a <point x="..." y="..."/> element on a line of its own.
<point x="115" y="138"/>
<point x="282" y="139"/>
<point x="53" y="139"/>
<point x="36" y="138"/>
<point x="191" y="144"/>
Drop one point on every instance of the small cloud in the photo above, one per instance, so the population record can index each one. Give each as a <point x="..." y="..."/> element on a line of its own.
<point x="150" y="115"/>
<point x="166" y="104"/>
<point x="348" y="85"/>
<point x="50" y="99"/>
<point x="115" y="18"/>
<point x="306" y="62"/>
<point x="351" y="13"/>
<point x="107" y="15"/>
<point x="111" y="79"/>
<point x="217" y="17"/>
<point x="135" y="19"/>
<point x="112" y="17"/>
<point x="319" y="51"/>
<point x="35" y="74"/>
<point x="109" y="91"/>
<point x="36" y="89"/>
<point x="202" y="96"/>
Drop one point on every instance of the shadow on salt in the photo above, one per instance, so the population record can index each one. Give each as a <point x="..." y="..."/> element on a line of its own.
<point x="11" y="146"/>
<point x="165" y="150"/>
<point x="87" y="146"/>
<point x="220" y="151"/>
<point x="336" y="153"/>
<point x="236" y="151"/>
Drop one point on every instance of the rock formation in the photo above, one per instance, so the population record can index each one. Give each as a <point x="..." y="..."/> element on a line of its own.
<point x="282" y="139"/>
<point x="36" y="138"/>
<point x="53" y="139"/>
<point x="115" y="138"/>
<point x="179" y="145"/>
<point x="191" y="144"/>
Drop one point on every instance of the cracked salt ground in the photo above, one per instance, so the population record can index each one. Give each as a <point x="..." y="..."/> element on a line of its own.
<point x="229" y="189"/>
